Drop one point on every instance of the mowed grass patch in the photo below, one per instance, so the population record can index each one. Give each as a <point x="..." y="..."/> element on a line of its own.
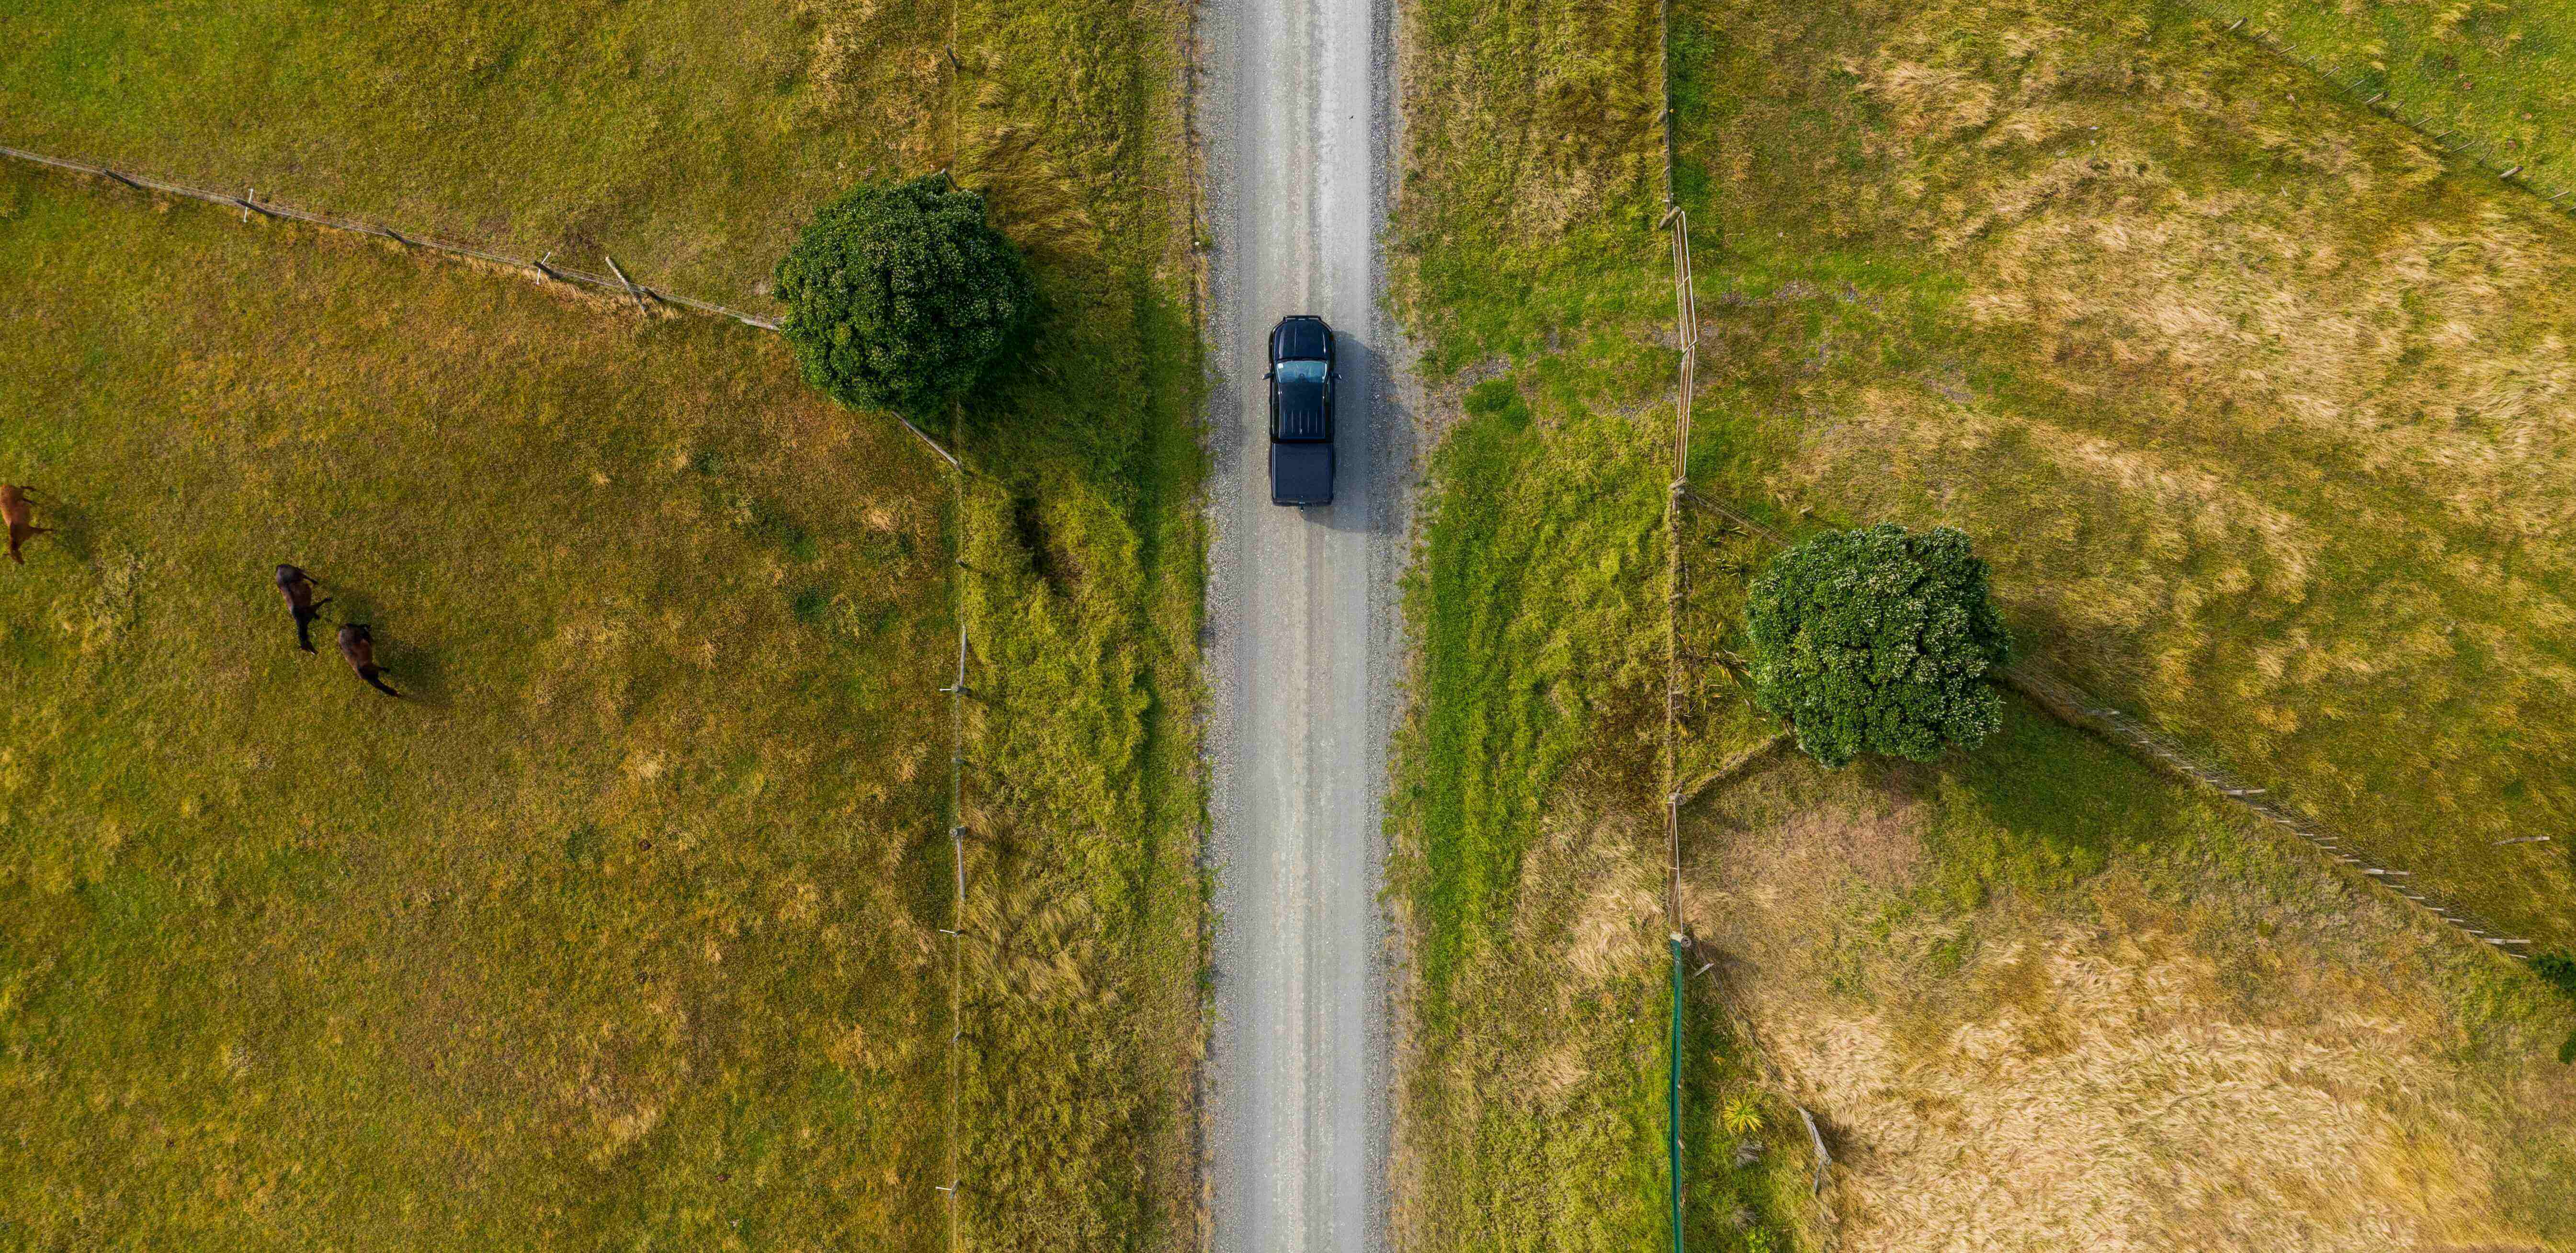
<point x="622" y="925"/>
<point x="688" y="138"/>
<point x="2262" y="414"/>
<point x="2501" y="73"/>
<point x="1528" y="271"/>
<point x="1083" y="542"/>
<point x="1531" y="169"/>
<point x="2043" y="962"/>
<point x="1537" y="1000"/>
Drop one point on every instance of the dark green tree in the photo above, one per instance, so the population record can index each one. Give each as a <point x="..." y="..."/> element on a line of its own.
<point x="1878" y="641"/>
<point x="2558" y="970"/>
<point x="901" y="296"/>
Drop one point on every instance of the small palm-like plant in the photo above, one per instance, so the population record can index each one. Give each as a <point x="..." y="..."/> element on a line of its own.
<point x="1741" y="1116"/>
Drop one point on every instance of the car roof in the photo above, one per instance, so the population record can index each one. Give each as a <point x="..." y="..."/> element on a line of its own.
<point x="1301" y="338"/>
<point x="1299" y="409"/>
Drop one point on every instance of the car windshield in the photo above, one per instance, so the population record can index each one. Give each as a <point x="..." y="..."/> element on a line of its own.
<point x="1301" y="372"/>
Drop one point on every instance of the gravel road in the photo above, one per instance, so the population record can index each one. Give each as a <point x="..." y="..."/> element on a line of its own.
<point x="1305" y="648"/>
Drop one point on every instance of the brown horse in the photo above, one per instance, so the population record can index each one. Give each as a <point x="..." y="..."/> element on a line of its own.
<point x="21" y="519"/>
<point x="359" y="647"/>
<point x="297" y="588"/>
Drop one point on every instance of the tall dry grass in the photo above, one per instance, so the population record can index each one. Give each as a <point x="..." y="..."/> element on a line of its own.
<point x="2180" y="1036"/>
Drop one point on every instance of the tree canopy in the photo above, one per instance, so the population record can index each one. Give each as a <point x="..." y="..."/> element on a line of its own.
<point x="1878" y="641"/>
<point x="901" y="296"/>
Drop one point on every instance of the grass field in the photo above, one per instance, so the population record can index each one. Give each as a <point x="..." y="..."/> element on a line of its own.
<point x="1532" y="167"/>
<point x="689" y="138"/>
<point x="2263" y="415"/>
<point x="624" y="921"/>
<point x="1083" y="538"/>
<point x="1528" y="850"/>
<point x="2497" y="72"/>
<point x="1080" y="537"/>
<point x="1522" y="807"/>
<point x="2041" y="998"/>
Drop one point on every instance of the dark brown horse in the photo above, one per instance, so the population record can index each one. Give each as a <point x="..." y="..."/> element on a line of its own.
<point x="297" y="588"/>
<point x="21" y="519"/>
<point x="360" y="648"/>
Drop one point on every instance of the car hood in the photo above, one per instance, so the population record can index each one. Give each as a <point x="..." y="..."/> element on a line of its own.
<point x="1300" y="340"/>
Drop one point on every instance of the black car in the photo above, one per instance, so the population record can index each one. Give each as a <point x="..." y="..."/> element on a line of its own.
<point x="1301" y="412"/>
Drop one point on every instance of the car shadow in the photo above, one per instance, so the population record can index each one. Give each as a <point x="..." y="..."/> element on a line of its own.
<point x="1378" y="442"/>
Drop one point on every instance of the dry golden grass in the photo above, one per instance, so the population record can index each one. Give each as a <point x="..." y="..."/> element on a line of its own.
<point x="2208" y="1043"/>
<point x="2344" y="300"/>
<point x="689" y="138"/>
<point x="624" y="921"/>
<point x="1080" y="529"/>
<point x="2264" y="418"/>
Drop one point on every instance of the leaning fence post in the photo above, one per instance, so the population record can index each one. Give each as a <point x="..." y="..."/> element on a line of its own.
<point x="1823" y="1158"/>
<point x="631" y="292"/>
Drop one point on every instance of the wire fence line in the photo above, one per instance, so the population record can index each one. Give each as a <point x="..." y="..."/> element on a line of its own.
<point x="956" y="691"/>
<point x="2364" y="92"/>
<point x="1676" y="573"/>
<point x="617" y="281"/>
<point x="1685" y="948"/>
<point x="2050" y="689"/>
<point x="1686" y="330"/>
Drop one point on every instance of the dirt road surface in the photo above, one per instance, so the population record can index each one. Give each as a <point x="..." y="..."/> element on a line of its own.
<point x="1305" y="646"/>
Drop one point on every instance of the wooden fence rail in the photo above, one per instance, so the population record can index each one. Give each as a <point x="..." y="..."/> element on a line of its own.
<point x="249" y="202"/>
